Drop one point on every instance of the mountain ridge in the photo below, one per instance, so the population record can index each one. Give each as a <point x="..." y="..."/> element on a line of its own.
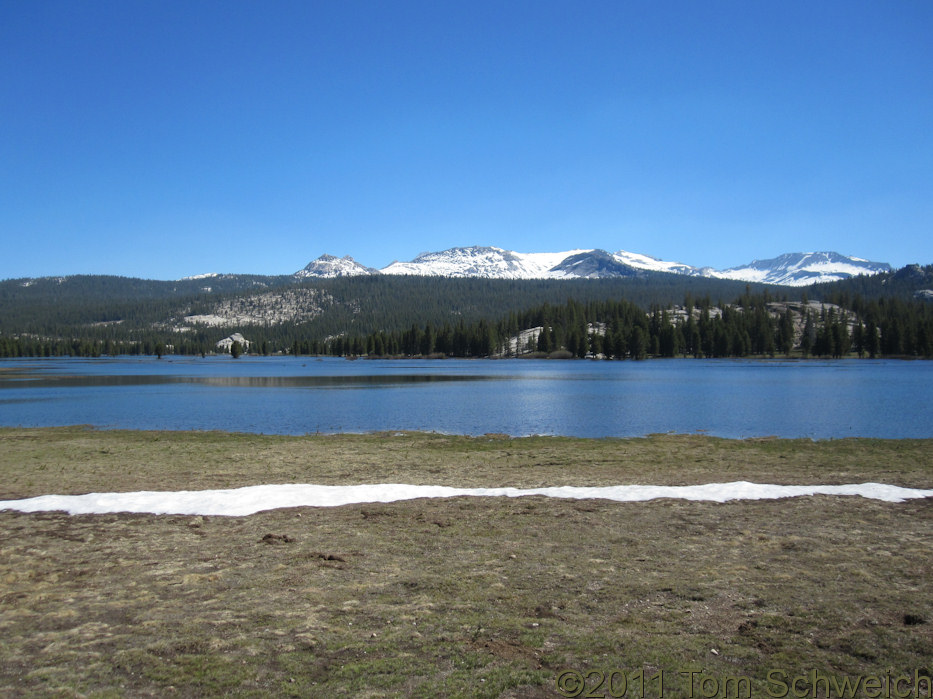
<point x="788" y="269"/>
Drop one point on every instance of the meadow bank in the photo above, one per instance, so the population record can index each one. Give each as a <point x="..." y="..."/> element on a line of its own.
<point x="462" y="597"/>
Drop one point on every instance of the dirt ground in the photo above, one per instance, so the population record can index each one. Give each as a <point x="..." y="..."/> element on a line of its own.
<point x="487" y="597"/>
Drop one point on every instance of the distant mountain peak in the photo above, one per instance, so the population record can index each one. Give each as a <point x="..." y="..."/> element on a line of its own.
<point x="328" y="266"/>
<point x="594" y="264"/>
<point x="802" y="268"/>
<point x="480" y="261"/>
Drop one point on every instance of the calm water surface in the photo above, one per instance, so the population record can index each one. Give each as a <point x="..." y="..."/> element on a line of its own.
<point x="727" y="398"/>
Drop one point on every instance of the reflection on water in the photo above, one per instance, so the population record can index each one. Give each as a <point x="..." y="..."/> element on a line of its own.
<point x="726" y="398"/>
<point x="36" y="380"/>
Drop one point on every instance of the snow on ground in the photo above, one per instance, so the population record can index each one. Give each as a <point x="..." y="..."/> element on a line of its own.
<point x="252" y="499"/>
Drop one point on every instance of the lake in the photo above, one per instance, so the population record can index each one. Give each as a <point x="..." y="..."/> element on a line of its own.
<point x="300" y="395"/>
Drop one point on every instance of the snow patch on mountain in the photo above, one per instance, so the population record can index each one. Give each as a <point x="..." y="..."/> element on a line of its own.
<point x="653" y="264"/>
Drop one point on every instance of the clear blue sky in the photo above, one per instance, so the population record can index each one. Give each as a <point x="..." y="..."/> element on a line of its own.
<point x="175" y="137"/>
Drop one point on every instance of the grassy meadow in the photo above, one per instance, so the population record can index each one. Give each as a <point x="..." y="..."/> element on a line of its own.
<point x="467" y="597"/>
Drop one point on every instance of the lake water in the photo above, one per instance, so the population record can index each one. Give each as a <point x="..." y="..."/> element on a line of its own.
<point x="727" y="398"/>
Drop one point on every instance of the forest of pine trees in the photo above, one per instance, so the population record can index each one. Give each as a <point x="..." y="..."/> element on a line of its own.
<point x="395" y="317"/>
<point x="752" y="326"/>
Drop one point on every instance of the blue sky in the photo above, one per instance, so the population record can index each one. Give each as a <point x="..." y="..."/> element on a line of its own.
<point x="168" y="138"/>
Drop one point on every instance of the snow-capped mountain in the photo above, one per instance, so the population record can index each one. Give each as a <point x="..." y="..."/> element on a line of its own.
<point x="791" y="269"/>
<point x="488" y="262"/>
<point x="592" y="264"/>
<point x="327" y="266"/>
<point x="802" y="268"/>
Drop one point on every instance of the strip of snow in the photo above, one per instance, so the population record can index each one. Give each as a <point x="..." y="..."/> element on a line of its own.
<point x="249" y="500"/>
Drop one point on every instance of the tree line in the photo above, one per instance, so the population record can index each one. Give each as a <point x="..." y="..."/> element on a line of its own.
<point x="86" y="314"/>
<point x="410" y="316"/>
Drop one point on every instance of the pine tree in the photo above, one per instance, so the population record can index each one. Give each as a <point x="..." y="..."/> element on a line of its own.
<point x="638" y="343"/>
